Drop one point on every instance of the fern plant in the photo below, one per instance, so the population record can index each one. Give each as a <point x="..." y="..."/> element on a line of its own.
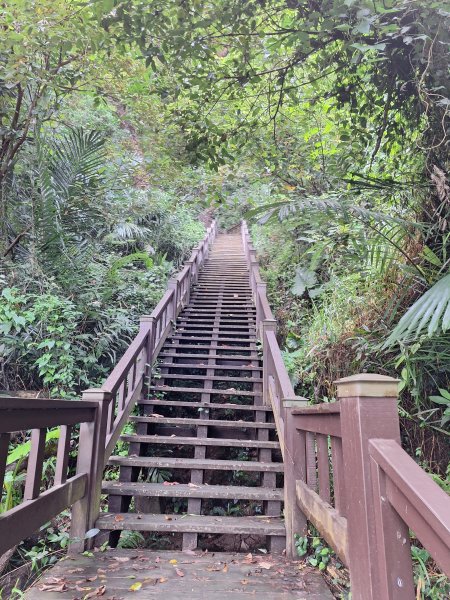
<point x="430" y="311"/>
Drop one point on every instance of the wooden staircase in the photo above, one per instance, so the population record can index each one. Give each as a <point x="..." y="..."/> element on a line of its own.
<point x="201" y="424"/>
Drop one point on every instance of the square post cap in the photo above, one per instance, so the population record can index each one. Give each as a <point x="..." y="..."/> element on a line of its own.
<point x="368" y="385"/>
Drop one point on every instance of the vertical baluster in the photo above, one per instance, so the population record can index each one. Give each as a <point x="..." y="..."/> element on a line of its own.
<point x="111" y="415"/>
<point x="122" y="394"/>
<point x="4" y="445"/>
<point x="62" y="455"/>
<point x="35" y="462"/>
<point x="323" y="467"/>
<point x="311" y="476"/>
<point x="338" y="476"/>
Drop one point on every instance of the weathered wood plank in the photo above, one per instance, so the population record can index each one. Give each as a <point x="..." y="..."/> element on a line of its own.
<point x="331" y="525"/>
<point x="192" y="523"/>
<point x="211" y="576"/>
<point x="194" y="463"/>
<point x="194" y="441"/>
<point x="185" y="491"/>
<point x="198" y="422"/>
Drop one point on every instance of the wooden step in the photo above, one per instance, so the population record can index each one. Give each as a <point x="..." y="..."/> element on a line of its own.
<point x="206" y="405"/>
<point x="219" y="339"/>
<point x="207" y="347"/>
<point x="204" y="366"/>
<point x="222" y="492"/>
<point x="206" y="422"/>
<point x="196" y="390"/>
<point x="210" y="377"/>
<point x="192" y="523"/>
<point x="233" y="357"/>
<point x="207" y="464"/>
<point x="174" y="440"/>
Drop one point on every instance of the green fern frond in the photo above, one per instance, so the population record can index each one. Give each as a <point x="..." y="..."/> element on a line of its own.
<point x="431" y="310"/>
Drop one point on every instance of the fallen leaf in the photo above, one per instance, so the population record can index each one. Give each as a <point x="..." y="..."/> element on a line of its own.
<point x="162" y="579"/>
<point x="93" y="578"/>
<point x="244" y="581"/>
<point x="122" y="559"/>
<point x="100" y="591"/>
<point x="171" y="483"/>
<point x="118" y="518"/>
<point x="225" y="569"/>
<point x="173" y="561"/>
<point x="193" y="485"/>
<point x="62" y="587"/>
<point x="167" y="518"/>
<point x="135" y="587"/>
<point x="78" y="570"/>
<point x="265" y="565"/>
<point x="179" y="572"/>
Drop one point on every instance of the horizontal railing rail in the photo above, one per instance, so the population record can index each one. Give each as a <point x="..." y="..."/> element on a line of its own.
<point x="71" y="484"/>
<point x="346" y="473"/>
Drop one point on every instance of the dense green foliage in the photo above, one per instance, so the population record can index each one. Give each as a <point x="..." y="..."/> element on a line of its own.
<point x="324" y="123"/>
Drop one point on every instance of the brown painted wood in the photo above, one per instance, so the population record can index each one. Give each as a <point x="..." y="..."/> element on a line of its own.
<point x="203" y="405"/>
<point x="26" y="518"/>
<point x="35" y="462"/>
<point x="211" y="576"/>
<point x="332" y="526"/>
<point x="199" y="422"/>
<point x="176" y="440"/>
<point x="196" y="491"/>
<point x="193" y="524"/>
<point x="196" y="463"/>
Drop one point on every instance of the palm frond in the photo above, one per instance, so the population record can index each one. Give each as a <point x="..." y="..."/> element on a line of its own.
<point x="431" y="310"/>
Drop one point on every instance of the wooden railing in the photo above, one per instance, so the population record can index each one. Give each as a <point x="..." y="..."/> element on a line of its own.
<point x="346" y="473"/>
<point x="102" y="414"/>
<point x="38" y="507"/>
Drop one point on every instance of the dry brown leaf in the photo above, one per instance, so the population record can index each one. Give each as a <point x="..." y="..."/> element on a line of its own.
<point x="225" y="569"/>
<point x="100" y="591"/>
<point x="118" y="518"/>
<point x="77" y="570"/>
<point x="179" y="572"/>
<point x="265" y="565"/>
<point x="244" y="581"/>
<point x="162" y="579"/>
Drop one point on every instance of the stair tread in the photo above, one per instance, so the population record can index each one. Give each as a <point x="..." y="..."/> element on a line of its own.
<point x="207" y="405"/>
<point x="191" y="491"/>
<point x="208" y="422"/>
<point x="206" y="366"/>
<point x="192" y="523"/>
<point x="182" y="376"/>
<point x="207" y="464"/>
<point x="228" y="392"/>
<point x="217" y="357"/>
<point x="198" y="441"/>
<point x="208" y="347"/>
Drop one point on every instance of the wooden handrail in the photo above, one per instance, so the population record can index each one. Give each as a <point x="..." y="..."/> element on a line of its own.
<point x="37" y="508"/>
<point x="402" y="487"/>
<point x="346" y="472"/>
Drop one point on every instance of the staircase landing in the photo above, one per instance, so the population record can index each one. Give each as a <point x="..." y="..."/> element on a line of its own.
<point x="112" y="574"/>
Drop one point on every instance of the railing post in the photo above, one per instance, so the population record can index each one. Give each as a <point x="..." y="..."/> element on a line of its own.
<point x="266" y="325"/>
<point x="146" y="322"/>
<point x="91" y="459"/>
<point x="261" y="289"/>
<point x="368" y="410"/>
<point x="294" y="469"/>
<point x="172" y="284"/>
